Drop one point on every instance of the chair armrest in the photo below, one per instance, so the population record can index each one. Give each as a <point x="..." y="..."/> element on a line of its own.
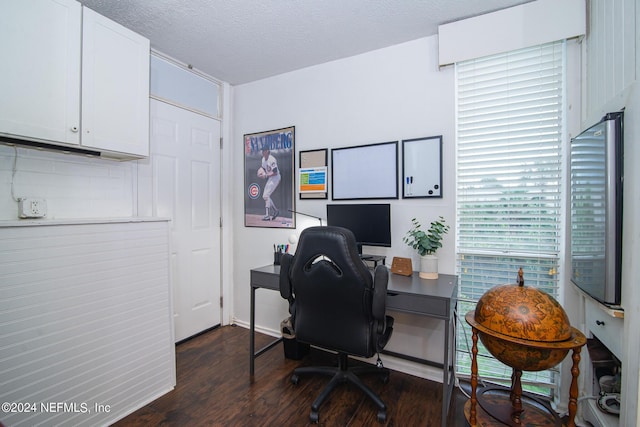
<point x="380" y="282"/>
<point x="285" y="280"/>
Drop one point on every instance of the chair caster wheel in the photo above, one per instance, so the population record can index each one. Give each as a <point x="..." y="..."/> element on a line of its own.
<point x="314" y="417"/>
<point x="382" y="416"/>
<point x="295" y="379"/>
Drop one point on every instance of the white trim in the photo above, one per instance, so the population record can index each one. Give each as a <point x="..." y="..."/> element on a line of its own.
<point x="517" y="27"/>
<point x="185" y="66"/>
<point x="189" y="68"/>
<point x="395" y="364"/>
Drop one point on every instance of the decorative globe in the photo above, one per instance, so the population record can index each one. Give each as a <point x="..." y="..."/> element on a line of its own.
<point x="523" y="327"/>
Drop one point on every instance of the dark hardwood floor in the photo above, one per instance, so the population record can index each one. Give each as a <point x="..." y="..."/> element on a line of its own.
<point x="214" y="389"/>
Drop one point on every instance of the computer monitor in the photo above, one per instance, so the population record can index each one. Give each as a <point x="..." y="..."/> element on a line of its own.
<point x="370" y="223"/>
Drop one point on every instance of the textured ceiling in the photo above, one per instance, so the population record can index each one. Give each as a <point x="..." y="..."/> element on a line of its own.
<point x="239" y="41"/>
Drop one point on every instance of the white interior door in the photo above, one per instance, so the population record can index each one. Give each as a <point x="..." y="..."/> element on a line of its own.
<point x="185" y="159"/>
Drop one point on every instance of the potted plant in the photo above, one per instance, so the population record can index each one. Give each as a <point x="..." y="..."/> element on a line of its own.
<point x="427" y="243"/>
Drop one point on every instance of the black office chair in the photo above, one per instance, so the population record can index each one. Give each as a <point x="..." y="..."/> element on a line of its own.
<point x="337" y="304"/>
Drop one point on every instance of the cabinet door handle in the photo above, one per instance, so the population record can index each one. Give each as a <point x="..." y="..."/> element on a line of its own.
<point x="74" y="129"/>
<point x="599" y="323"/>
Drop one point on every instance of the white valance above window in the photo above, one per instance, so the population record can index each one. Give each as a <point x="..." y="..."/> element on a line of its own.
<point x="518" y="27"/>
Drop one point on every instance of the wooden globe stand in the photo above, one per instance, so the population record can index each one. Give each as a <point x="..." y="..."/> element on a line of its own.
<point x="527" y="330"/>
<point x="511" y="408"/>
<point x="496" y="407"/>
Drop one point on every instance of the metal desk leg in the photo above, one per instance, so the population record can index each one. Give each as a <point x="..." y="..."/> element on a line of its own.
<point x="252" y="329"/>
<point x="253" y="354"/>
<point x="446" y="397"/>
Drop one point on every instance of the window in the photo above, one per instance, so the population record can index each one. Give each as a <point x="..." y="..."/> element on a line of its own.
<point x="184" y="87"/>
<point x="509" y="170"/>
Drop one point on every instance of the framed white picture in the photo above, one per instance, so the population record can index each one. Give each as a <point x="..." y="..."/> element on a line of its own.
<point x="422" y="167"/>
<point x="365" y="172"/>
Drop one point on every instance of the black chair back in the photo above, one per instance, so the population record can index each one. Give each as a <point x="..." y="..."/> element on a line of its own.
<point x="333" y="290"/>
<point x="337" y="304"/>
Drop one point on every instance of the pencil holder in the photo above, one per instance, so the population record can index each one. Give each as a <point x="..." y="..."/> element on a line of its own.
<point x="276" y="257"/>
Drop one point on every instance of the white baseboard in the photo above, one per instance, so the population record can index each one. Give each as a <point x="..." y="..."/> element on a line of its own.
<point x="394" y="363"/>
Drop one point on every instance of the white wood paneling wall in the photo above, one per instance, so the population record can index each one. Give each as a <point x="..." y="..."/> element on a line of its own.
<point x="610" y="56"/>
<point x="86" y="333"/>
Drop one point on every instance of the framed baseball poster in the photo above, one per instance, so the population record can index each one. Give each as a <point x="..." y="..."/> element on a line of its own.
<point x="269" y="178"/>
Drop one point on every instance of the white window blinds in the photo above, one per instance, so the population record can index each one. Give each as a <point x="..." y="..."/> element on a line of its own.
<point x="509" y="139"/>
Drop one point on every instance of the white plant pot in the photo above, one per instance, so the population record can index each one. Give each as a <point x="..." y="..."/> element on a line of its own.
<point x="428" y="267"/>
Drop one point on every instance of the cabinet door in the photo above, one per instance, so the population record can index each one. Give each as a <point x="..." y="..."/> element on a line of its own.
<point x="115" y="87"/>
<point x="605" y="327"/>
<point x="40" y="73"/>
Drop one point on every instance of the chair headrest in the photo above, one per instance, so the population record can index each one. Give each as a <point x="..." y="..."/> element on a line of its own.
<point x="331" y="246"/>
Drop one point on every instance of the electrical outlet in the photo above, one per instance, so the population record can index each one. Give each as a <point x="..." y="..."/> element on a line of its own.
<point x="32" y="208"/>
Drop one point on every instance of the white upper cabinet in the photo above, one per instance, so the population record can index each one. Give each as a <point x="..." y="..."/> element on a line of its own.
<point x="40" y="76"/>
<point x="73" y="78"/>
<point x="115" y="86"/>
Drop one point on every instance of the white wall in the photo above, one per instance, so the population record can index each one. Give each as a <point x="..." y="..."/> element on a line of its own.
<point x="612" y="68"/>
<point x="390" y="94"/>
<point x="74" y="186"/>
<point x="630" y="256"/>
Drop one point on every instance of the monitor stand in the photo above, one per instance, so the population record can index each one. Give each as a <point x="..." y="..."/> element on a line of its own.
<point x="373" y="258"/>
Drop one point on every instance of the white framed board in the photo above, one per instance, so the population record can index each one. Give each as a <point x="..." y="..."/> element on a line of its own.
<point x="365" y="172"/>
<point x="422" y="167"/>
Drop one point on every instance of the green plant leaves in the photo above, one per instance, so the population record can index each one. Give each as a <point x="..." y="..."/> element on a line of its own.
<point x="429" y="242"/>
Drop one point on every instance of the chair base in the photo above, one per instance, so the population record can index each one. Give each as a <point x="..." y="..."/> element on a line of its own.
<point x="340" y="375"/>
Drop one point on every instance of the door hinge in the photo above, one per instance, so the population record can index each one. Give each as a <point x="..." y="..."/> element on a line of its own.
<point x="220" y="302"/>
<point x="220" y="222"/>
<point x="221" y="143"/>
